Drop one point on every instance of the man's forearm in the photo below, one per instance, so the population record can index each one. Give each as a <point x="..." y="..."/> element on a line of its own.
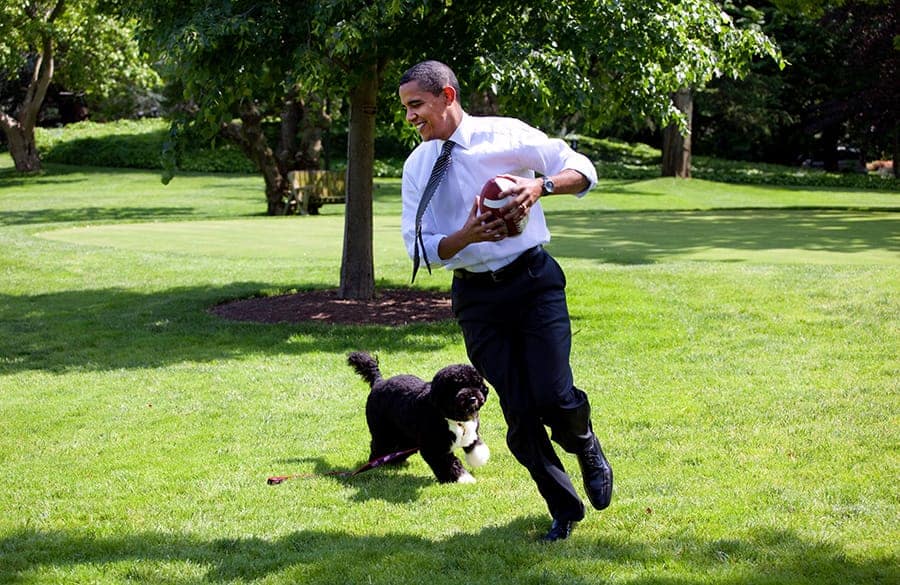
<point x="569" y="181"/>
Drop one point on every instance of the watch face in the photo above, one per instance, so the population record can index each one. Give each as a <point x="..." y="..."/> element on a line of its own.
<point x="548" y="185"/>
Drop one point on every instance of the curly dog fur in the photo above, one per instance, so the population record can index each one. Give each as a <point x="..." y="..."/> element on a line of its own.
<point x="406" y="412"/>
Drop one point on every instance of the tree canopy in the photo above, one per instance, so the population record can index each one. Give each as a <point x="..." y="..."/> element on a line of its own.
<point x="559" y="64"/>
<point x="594" y="62"/>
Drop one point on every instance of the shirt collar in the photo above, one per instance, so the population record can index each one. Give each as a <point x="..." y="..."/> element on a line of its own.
<point x="462" y="136"/>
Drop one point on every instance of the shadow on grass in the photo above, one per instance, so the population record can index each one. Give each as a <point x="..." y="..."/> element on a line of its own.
<point x="647" y="237"/>
<point x="9" y="178"/>
<point x="56" y="174"/>
<point x="112" y="328"/>
<point x="504" y="554"/>
<point x="403" y="487"/>
<point x="94" y="214"/>
<point x="141" y="185"/>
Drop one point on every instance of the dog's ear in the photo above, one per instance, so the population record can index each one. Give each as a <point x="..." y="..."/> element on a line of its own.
<point x="479" y="381"/>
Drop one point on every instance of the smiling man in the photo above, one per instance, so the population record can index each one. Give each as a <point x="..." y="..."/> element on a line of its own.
<point x="508" y="293"/>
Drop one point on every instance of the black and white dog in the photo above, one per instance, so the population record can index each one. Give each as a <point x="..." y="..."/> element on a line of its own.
<point x="405" y="412"/>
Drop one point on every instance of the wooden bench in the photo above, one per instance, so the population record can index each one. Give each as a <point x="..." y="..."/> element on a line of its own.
<point x="312" y="189"/>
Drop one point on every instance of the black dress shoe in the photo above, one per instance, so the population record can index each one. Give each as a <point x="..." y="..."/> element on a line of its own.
<point x="596" y="473"/>
<point x="559" y="530"/>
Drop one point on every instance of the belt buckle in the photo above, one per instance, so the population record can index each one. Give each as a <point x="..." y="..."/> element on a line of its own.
<point x="497" y="275"/>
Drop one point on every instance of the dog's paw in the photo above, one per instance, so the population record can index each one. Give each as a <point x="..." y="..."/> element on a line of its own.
<point x="466" y="477"/>
<point x="478" y="456"/>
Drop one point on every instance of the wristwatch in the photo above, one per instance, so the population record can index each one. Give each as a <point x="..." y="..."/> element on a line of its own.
<point x="548" y="186"/>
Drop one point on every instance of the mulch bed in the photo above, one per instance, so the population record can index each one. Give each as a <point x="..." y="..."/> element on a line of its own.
<point x="389" y="307"/>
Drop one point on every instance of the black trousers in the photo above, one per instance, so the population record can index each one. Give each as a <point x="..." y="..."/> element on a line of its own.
<point x="518" y="335"/>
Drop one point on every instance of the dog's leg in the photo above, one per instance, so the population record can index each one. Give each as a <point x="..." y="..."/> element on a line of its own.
<point x="380" y="449"/>
<point x="466" y="477"/>
<point x="477" y="454"/>
<point x="386" y="439"/>
<point x="446" y="467"/>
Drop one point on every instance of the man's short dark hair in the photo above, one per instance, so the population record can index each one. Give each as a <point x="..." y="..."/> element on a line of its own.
<point x="432" y="76"/>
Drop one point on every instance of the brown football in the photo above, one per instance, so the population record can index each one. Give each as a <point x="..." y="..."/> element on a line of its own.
<point x="491" y="199"/>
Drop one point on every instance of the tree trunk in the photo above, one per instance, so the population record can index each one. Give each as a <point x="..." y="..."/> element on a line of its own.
<point x="357" y="264"/>
<point x="676" y="155"/>
<point x="20" y="129"/>
<point x="22" y="146"/>
<point x="303" y="117"/>
<point x="313" y="125"/>
<point x="250" y="138"/>
<point x="290" y="118"/>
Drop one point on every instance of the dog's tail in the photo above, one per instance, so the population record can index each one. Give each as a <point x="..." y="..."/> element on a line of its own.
<point x="365" y="365"/>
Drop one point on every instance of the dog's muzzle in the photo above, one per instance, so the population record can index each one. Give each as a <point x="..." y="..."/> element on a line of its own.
<point x="470" y="404"/>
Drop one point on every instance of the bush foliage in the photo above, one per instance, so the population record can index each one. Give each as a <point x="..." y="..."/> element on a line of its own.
<point x="132" y="144"/>
<point x="138" y="144"/>
<point x="616" y="159"/>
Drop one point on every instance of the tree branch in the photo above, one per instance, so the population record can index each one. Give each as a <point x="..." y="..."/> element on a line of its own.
<point x="56" y="11"/>
<point x="43" y="68"/>
<point x="40" y="81"/>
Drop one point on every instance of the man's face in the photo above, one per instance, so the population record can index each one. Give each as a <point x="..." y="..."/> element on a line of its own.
<point x="429" y="113"/>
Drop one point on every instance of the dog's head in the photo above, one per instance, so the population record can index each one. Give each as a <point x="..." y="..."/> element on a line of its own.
<point x="458" y="392"/>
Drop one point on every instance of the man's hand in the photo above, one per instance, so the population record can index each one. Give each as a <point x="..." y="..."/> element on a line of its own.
<point x="525" y="194"/>
<point x="482" y="227"/>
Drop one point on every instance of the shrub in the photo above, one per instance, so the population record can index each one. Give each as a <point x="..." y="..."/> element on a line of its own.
<point x="125" y="143"/>
<point x="620" y="160"/>
<point x="132" y="144"/>
<point x="724" y="171"/>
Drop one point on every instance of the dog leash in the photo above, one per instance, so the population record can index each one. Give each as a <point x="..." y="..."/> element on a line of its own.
<point x="377" y="462"/>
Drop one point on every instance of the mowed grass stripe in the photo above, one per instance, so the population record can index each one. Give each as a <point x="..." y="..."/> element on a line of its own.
<point x="756" y="236"/>
<point x="240" y="238"/>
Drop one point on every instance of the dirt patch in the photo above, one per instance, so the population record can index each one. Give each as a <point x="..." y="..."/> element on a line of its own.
<point x="389" y="307"/>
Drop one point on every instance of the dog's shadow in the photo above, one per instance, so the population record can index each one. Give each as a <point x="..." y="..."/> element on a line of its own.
<point x="391" y="483"/>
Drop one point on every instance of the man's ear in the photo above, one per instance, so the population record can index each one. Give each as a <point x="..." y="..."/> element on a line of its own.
<point x="449" y="94"/>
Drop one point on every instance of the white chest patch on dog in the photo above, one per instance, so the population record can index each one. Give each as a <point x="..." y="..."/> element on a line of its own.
<point x="465" y="432"/>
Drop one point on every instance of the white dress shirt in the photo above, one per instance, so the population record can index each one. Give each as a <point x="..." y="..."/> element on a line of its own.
<point x="485" y="147"/>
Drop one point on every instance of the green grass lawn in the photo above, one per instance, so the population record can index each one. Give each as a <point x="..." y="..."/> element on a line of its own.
<point x="739" y="344"/>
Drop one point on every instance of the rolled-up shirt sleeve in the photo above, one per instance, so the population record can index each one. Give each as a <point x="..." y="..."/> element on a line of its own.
<point x="550" y="156"/>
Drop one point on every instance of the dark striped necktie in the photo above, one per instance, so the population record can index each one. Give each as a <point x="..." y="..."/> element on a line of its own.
<point x="437" y="175"/>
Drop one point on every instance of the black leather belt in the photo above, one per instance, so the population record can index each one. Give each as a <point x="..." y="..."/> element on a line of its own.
<point x="512" y="269"/>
